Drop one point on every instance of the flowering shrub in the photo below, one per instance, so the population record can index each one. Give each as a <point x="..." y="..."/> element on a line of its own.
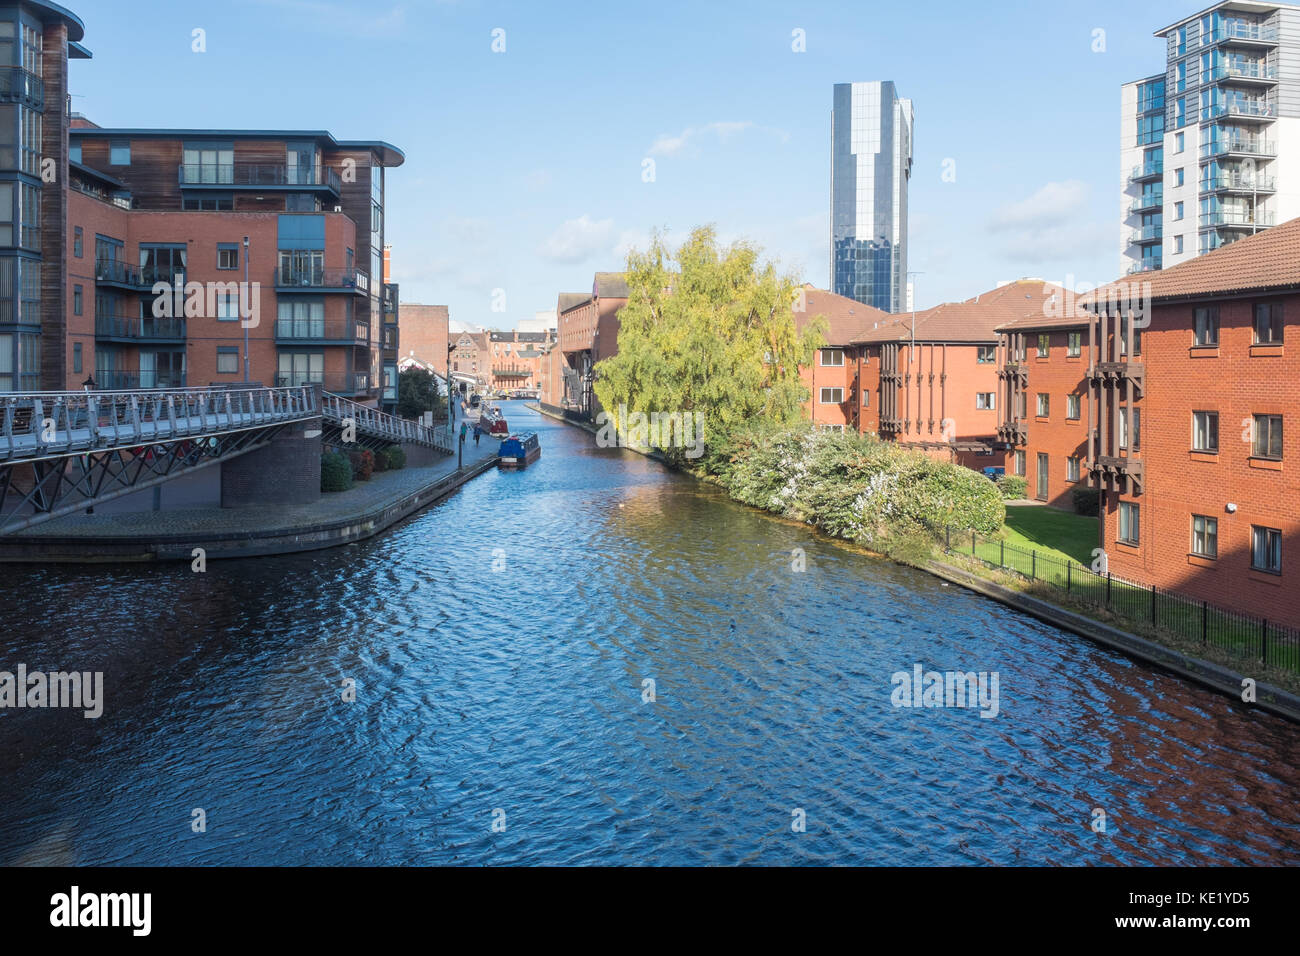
<point x="363" y="463"/>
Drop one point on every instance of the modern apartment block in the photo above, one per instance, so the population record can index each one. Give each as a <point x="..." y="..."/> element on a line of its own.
<point x="871" y="165"/>
<point x="298" y="215"/>
<point x="1193" y="441"/>
<point x="36" y="41"/>
<point x="1210" y="147"/>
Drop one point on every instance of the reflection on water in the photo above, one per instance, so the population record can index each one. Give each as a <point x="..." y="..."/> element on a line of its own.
<point x="520" y="690"/>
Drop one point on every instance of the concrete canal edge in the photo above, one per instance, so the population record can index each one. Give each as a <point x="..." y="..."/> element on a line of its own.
<point x="1274" y="700"/>
<point x="365" y="522"/>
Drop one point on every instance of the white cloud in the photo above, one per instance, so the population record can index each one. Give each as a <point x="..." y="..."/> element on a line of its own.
<point x="578" y="239"/>
<point x="1045" y="209"/>
<point x="670" y="145"/>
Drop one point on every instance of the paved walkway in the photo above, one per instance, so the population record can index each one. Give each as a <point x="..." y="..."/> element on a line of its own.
<point x="364" y="497"/>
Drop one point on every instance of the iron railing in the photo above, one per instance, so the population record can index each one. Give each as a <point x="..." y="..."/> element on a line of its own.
<point x="258" y="174"/>
<point x="373" y="423"/>
<point x="1245" y="636"/>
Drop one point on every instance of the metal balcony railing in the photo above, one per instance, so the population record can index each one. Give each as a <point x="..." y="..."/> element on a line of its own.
<point x="258" y="175"/>
<point x="1226" y="217"/>
<point x="1147" y="171"/>
<point x="1250" y="147"/>
<point x="17" y="83"/>
<point x="1146" y="265"/>
<point x="1259" y="109"/>
<point x="143" y="277"/>
<point x="1241" y="71"/>
<point x="1146" y="234"/>
<point x="1147" y="203"/>
<point x="1252" y="32"/>
<point x="314" y="277"/>
<point x="143" y="328"/>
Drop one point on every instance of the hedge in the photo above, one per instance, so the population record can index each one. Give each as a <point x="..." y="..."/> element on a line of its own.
<point x="394" y="457"/>
<point x="335" y="472"/>
<point x="1012" y="487"/>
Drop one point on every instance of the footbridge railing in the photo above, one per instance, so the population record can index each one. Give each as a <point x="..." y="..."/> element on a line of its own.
<point x="373" y="428"/>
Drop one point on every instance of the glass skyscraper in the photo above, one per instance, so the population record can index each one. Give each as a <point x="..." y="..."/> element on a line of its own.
<point x="871" y="164"/>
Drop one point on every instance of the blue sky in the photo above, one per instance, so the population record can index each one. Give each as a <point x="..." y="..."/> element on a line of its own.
<point x="524" y="167"/>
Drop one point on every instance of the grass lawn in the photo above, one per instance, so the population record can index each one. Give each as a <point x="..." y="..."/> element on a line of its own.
<point x="1058" y="534"/>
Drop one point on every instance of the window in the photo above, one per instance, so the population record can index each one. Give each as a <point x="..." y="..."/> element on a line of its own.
<point x="1268" y="323"/>
<point x="119" y="153"/>
<point x="1018" y="465"/>
<point x="1179" y="176"/>
<point x="77" y="240"/>
<point x="1043" y="473"/>
<point x="1178" y="210"/>
<point x="300" y="319"/>
<point x="301" y="368"/>
<point x="1044" y="405"/>
<point x="1072" y="407"/>
<point x="984" y="401"/>
<point x="227" y="305"/>
<point x="1205" y="536"/>
<point x="1021" y="404"/>
<point x="832" y="357"/>
<point x="1178" y="245"/>
<point x="1266" y="549"/>
<point x="1124" y="428"/>
<point x="1074" y="345"/>
<point x="1129" y="522"/>
<point x="1071" y="469"/>
<point x="76" y="358"/>
<point x="1178" y="142"/>
<point x="866" y="399"/>
<point x="1267" y="432"/>
<point x="74" y="153"/>
<point x="227" y="255"/>
<point x="227" y="360"/>
<point x="1044" y="344"/>
<point x="832" y="396"/>
<point x="1205" y="431"/>
<point x="986" y="354"/>
<point x="76" y="300"/>
<point x="1206" y="327"/>
<point x="208" y="202"/>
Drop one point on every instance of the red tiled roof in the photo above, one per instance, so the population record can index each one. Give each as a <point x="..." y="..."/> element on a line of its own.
<point x="1267" y="260"/>
<point x="847" y="318"/>
<point x="976" y="320"/>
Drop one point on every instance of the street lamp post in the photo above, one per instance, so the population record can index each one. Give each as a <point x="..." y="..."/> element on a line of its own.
<point x="243" y="320"/>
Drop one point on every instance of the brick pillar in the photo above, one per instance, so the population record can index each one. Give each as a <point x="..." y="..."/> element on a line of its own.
<point x="285" y="472"/>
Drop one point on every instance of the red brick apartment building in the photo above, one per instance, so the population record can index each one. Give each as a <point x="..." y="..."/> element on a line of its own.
<point x="934" y="385"/>
<point x="587" y="332"/>
<point x="516" y="359"/>
<point x="297" y="214"/>
<point x="1044" y="401"/>
<point x="1196" y="447"/>
<point x="832" y="379"/>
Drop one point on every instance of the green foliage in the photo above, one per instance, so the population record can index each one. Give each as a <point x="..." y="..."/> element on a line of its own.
<point x="712" y="332"/>
<point x="335" y="472"/>
<point x="1012" y="487"/>
<point x="890" y="498"/>
<point x="363" y="463"/>
<point x="394" y="457"/>
<point x="417" y="393"/>
<point x="1087" y="501"/>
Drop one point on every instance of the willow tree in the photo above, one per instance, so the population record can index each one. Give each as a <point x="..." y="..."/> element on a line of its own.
<point x="710" y="332"/>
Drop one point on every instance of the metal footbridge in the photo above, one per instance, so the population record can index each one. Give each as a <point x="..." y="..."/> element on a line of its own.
<point x="62" y="452"/>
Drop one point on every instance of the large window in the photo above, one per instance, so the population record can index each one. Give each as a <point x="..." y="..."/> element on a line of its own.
<point x="1073" y="406"/>
<point x="1205" y="536"/>
<point x="300" y="319"/>
<point x="1206" y="327"/>
<point x="210" y="163"/>
<point x="1044" y="344"/>
<point x="227" y="360"/>
<point x="1071" y="469"/>
<point x="1267" y="433"/>
<point x="986" y="354"/>
<point x="832" y="396"/>
<point x="1130" y="437"/>
<point x="1266" y="549"/>
<point x="1129" y="522"/>
<point x="832" y="356"/>
<point x="162" y="263"/>
<point x="1044" y="408"/>
<point x="1205" y="431"/>
<point x="227" y="255"/>
<point x="1268" y="323"/>
<point x="301" y="368"/>
<point x="1074" y="345"/>
<point x="119" y="153"/>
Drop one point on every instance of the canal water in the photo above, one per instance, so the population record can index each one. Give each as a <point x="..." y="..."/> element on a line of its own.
<point x="500" y="644"/>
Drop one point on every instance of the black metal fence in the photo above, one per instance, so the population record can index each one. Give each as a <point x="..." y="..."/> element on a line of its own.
<point x="1241" y="635"/>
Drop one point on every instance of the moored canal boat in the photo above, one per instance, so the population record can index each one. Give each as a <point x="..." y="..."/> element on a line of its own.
<point x="519" y="451"/>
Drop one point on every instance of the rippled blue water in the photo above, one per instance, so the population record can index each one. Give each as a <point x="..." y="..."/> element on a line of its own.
<point x="520" y="690"/>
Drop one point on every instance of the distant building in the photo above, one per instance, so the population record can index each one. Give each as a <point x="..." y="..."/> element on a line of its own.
<point x="871" y="165"/>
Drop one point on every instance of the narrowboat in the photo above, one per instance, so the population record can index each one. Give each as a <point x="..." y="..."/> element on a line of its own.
<point x="519" y="451"/>
<point x="492" y="422"/>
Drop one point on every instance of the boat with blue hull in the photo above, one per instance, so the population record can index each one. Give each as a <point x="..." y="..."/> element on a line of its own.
<point x="519" y="451"/>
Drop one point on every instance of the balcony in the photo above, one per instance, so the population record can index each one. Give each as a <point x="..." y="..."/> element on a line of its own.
<point x="1238" y="183"/>
<point x="1244" y="33"/>
<point x="1146" y="234"/>
<point x="1146" y="265"/>
<point x="390" y="338"/>
<point x="335" y="330"/>
<point x="1147" y="172"/>
<point x="137" y="329"/>
<point x="390" y="300"/>
<point x="115" y="272"/>
<point x="1018" y="371"/>
<point x="1238" y="147"/>
<point x="1149" y="203"/>
<point x="116" y="380"/>
<point x="1116" y="373"/>
<point x="19" y="86"/>
<point x="1242" y="109"/>
<point x="1117" y="473"/>
<point x="1013" y="432"/>
<point x="348" y="384"/>
<point x="512" y="372"/>
<point x="318" y="279"/>
<point x="259" y="176"/>
<point x="1244" y="72"/>
<point x="1230" y="219"/>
